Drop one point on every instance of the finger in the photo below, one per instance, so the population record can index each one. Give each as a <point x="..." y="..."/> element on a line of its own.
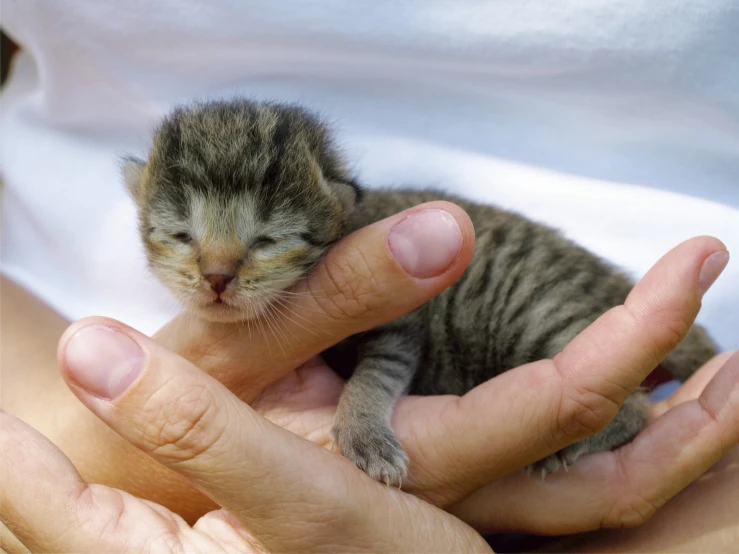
<point x="693" y="387"/>
<point x="9" y="543"/>
<point x="374" y="275"/>
<point x="49" y="508"/>
<point x="622" y="488"/>
<point x="32" y="469"/>
<point x="523" y="415"/>
<point x="290" y="493"/>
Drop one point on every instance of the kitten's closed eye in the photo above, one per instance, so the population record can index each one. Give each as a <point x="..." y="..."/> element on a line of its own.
<point x="183" y="237"/>
<point x="262" y="242"/>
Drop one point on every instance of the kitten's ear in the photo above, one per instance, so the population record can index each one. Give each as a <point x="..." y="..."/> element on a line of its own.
<point x="347" y="191"/>
<point x="133" y="172"/>
<point x="349" y="194"/>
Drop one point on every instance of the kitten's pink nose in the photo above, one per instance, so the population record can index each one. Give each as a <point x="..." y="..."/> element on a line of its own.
<point x="218" y="282"/>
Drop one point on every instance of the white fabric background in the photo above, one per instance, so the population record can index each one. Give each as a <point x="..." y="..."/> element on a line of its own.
<point x="614" y="120"/>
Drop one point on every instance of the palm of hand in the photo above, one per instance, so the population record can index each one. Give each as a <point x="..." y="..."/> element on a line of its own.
<point x="303" y="401"/>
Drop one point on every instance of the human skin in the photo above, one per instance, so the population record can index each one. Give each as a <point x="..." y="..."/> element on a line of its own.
<point x="448" y="467"/>
<point x="278" y="492"/>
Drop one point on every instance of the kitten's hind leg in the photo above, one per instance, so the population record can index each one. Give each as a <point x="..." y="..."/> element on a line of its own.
<point x="361" y="430"/>
<point x="630" y="420"/>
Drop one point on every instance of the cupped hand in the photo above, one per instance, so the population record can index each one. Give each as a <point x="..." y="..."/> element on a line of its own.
<point x="466" y="451"/>
<point x="277" y="492"/>
<point x="687" y="434"/>
<point x="462" y="449"/>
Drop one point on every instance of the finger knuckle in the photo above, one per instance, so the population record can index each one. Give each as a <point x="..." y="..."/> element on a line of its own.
<point x="628" y="506"/>
<point x="634" y="511"/>
<point x="668" y="325"/>
<point x="349" y="284"/>
<point x="185" y="428"/>
<point x="581" y="416"/>
<point x="584" y="408"/>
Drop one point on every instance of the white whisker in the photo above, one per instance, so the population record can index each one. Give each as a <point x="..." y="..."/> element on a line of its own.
<point x="303" y="293"/>
<point x="302" y="307"/>
<point x="280" y="301"/>
<point x="259" y="322"/>
<point x="280" y="324"/>
<point x="274" y="334"/>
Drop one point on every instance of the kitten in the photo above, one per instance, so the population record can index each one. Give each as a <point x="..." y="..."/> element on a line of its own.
<point x="238" y="200"/>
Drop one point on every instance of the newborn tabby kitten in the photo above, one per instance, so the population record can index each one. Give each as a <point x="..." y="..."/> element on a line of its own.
<point x="238" y="200"/>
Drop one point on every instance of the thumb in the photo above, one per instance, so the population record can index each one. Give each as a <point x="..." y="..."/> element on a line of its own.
<point x="372" y="276"/>
<point x="290" y="493"/>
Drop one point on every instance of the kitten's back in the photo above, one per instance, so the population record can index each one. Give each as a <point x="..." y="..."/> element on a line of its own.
<point x="527" y="292"/>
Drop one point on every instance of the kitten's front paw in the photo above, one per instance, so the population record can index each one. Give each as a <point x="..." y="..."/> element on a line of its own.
<point x="373" y="448"/>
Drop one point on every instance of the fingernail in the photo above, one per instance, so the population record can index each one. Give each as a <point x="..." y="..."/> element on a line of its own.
<point x="426" y="243"/>
<point x="103" y="361"/>
<point x="712" y="268"/>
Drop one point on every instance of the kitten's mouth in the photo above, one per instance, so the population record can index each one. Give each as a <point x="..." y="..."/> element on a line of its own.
<point x="222" y="311"/>
<point x="218" y="313"/>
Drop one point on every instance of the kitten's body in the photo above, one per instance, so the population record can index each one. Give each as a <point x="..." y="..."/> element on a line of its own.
<point x="226" y="174"/>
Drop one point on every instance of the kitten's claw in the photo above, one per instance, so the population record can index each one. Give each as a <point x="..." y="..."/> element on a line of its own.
<point x="386" y="479"/>
<point x="559" y="460"/>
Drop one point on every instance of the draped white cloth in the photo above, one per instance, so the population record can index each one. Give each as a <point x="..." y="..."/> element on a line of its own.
<point x="615" y="120"/>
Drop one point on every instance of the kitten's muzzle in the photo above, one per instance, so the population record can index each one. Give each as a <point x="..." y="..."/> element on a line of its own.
<point x="218" y="281"/>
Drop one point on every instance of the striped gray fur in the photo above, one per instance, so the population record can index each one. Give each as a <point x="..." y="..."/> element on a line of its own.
<point x="527" y="292"/>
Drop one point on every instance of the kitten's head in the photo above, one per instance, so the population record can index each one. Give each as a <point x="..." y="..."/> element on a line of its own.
<point x="237" y="201"/>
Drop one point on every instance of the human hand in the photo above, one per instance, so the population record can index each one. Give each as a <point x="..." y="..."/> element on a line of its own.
<point x="446" y="465"/>
<point x="611" y="489"/>
<point x="687" y="434"/>
<point x="627" y="343"/>
<point x="277" y="492"/>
